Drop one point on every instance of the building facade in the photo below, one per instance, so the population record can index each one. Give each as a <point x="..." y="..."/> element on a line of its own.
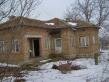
<point x="22" y="39"/>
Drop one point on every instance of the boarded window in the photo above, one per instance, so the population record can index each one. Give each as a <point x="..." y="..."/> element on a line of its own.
<point x="84" y="41"/>
<point x="15" y="45"/>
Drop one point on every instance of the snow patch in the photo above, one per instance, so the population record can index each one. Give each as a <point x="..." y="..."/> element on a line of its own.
<point x="43" y="61"/>
<point x="50" y="23"/>
<point x="9" y="65"/>
<point x="73" y="24"/>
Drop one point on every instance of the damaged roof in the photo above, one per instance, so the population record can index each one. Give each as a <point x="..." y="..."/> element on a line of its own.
<point x="54" y="23"/>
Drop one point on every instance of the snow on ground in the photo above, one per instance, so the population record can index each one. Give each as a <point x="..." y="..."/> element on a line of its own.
<point x="9" y="65"/>
<point x="50" y="23"/>
<point x="50" y="75"/>
<point x="43" y="61"/>
<point x="93" y="73"/>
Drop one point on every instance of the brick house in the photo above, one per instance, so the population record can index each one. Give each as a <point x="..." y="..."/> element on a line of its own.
<point x="22" y="39"/>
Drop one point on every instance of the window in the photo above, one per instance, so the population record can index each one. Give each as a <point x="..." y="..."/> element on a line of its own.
<point x="15" y="46"/>
<point x="2" y="46"/>
<point x="58" y="42"/>
<point x="84" y="41"/>
<point x="58" y="45"/>
<point x="93" y="39"/>
<point x="47" y="42"/>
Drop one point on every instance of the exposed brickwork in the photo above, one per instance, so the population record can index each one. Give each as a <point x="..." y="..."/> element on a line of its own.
<point x="70" y="41"/>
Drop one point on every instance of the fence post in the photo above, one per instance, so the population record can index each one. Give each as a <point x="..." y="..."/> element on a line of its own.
<point x="96" y="55"/>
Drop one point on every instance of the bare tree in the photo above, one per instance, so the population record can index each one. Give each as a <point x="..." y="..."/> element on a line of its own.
<point x="90" y="10"/>
<point x="5" y="10"/>
<point x="86" y="8"/>
<point x="102" y="11"/>
<point x="82" y="10"/>
<point x="17" y="7"/>
<point x="72" y="14"/>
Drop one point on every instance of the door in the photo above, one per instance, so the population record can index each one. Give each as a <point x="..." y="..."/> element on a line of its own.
<point x="58" y="45"/>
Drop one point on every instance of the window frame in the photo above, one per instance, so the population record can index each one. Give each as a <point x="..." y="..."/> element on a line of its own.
<point x="15" y="46"/>
<point x="84" y="41"/>
<point x="2" y="49"/>
<point x="56" y="42"/>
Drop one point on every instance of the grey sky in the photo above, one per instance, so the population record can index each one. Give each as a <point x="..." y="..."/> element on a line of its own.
<point x="53" y="8"/>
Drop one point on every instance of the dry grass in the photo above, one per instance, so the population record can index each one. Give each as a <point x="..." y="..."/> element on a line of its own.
<point x="16" y="71"/>
<point x="7" y="71"/>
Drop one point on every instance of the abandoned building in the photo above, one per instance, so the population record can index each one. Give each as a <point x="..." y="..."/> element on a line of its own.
<point x="22" y="39"/>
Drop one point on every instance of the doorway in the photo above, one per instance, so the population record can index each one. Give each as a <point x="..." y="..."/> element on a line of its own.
<point x="36" y="47"/>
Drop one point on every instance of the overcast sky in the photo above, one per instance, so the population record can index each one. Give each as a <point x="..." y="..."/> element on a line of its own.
<point x="52" y="8"/>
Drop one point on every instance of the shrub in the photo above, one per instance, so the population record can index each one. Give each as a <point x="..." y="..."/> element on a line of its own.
<point x="56" y="56"/>
<point x="64" y="68"/>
